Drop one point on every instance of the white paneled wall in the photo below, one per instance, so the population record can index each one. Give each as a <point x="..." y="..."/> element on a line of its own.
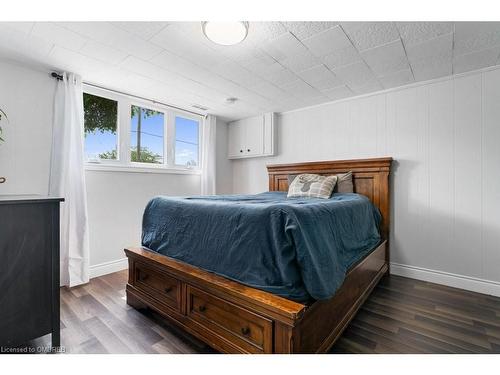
<point x="445" y="138"/>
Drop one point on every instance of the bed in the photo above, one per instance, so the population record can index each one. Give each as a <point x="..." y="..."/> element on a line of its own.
<point x="236" y="315"/>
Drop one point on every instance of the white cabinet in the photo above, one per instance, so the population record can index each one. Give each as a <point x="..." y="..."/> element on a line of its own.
<point x="252" y="137"/>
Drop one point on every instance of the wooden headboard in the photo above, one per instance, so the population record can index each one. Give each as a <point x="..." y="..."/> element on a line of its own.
<point x="370" y="177"/>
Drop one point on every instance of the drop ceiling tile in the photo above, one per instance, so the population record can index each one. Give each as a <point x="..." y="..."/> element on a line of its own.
<point x="431" y="68"/>
<point x="367" y="87"/>
<point x="134" y="83"/>
<point x="300" y="89"/>
<point x="66" y="59"/>
<point x="466" y="30"/>
<point x="476" y="60"/>
<point x="284" y="46"/>
<point x="113" y="36"/>
<point x="24" y="27"/>
<point x="303" y="30"/>
<point x="242" y="54"/>
<point x="437" y="48"/>
<point x="16" y="44"/>
<point x="338" y="92"/>
<point x="366" y="35"/>
<point x="260" y="66"/>
<point x="269" y="91"/>
<point x="327" y="42"/>
<point x="356" y="74"/>
<point x="104" y="53"/>
<point x="238" y="74"/>
<point x="136" y="46"/>
<point x="58" y="35"/>
<point x="418" y="32"/>
<point x="298" y="63"/>
<point x="99" y="31"/>
<point x="316" y="100"/>
<point x="174" y="40"/>
<point x="136" y="65"/>
<point x="387" y="58"/>
<point x="179" y="65"/>
<point x="170" y="61"/>
<point x="320" y="77"/>
<point x="400" y="78"/>
<point x="342" y="57"/>
<point x="475" y="36"/>
<point x="259" y="32"/>
<point x="144" y="30"/>
<point x="279" y="75"/>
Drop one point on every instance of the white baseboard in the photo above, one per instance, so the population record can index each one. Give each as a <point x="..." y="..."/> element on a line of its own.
<point x="449" y="279"/>
<point x="108" y="267"/>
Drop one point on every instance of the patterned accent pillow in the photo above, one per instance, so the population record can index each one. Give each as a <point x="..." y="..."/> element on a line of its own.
<point x="344" y="182"/>
<point x="312" y="185"/>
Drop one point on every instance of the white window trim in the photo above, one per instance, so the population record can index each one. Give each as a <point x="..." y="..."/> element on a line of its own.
<point x="123" y="163"/>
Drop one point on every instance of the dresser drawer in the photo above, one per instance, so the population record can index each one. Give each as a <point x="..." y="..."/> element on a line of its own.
<point x="158" y="284"/>
<point x="251" y="332"/>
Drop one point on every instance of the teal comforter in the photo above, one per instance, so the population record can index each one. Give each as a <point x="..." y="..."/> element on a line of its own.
<point x="297" y="248"/>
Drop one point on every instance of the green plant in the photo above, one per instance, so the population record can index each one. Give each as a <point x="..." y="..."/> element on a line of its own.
<point x="2" y="116"/>
<point x="145" y="156"/>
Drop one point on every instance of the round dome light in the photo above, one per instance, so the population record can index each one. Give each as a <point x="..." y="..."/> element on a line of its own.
<point x="225" y="33"/>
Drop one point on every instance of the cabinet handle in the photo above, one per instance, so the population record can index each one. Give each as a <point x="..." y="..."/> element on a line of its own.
<point x="248" y="149"/>
<point x="245" y="331"/>
<point x="168" y="289"/>
<point x="202" y="308"/>
<point x="241" y="150"/>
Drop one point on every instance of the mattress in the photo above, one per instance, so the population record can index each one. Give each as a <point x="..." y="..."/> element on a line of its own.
<point x="297" y="248"/>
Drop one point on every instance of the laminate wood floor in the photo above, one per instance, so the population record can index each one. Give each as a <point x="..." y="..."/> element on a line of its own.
<point x="401" y="316"/>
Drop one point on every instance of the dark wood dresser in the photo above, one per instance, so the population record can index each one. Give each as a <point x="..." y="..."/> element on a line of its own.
<point x="29" y="269"/>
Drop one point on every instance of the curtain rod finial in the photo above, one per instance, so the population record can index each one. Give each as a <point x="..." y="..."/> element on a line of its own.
<point x="56" y="75"/>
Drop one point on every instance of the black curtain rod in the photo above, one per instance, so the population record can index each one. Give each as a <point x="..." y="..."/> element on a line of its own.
<point x="59" y="77"/>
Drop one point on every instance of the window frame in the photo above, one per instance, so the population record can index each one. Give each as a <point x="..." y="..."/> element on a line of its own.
<point x="154" y="107"/>
<point x="188" y="116"/>
<point x="123" y="132"/>
<point x="110" y="96"/>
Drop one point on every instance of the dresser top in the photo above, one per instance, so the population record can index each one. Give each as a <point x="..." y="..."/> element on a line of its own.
<point x="10" y="199"/>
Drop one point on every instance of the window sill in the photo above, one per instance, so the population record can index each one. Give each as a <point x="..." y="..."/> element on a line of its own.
<point x="139" y="169"/>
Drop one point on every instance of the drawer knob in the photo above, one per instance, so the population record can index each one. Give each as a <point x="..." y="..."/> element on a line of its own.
<point x="245" y="331"/>
<point x="202" y="308"/>
<point x="248" y="149"/>
<point x="168" y="289"/>
<point x="241" y="150"/>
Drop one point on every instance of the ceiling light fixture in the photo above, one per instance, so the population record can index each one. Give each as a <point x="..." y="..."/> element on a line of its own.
<point x="225" y="33"/>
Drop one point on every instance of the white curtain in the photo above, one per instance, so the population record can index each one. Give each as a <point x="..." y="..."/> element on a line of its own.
<point x="67" y="179"/>
<point x="208" y="156"/>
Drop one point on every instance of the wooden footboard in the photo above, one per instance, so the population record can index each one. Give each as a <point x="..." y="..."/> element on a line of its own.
<point x="234" y="318"/>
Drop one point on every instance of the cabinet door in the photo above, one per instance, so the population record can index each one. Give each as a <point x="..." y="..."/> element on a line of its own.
<point x="25" y="272"/>
<point x="236" y="135"/>
<point x="254" y="136"/>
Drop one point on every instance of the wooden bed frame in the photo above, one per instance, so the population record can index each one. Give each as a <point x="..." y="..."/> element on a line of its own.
<point x="234" y="318"/>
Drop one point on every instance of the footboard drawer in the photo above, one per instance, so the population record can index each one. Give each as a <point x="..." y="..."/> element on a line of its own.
<point x="158" y="285"/>
<point x="249" y="331"/>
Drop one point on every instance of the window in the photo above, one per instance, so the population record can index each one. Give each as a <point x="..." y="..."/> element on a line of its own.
<point x="123" y="132"/>
<point x="186" y="142"/>
<point x="146" y="135"/>
<point x="101" y="123"/>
